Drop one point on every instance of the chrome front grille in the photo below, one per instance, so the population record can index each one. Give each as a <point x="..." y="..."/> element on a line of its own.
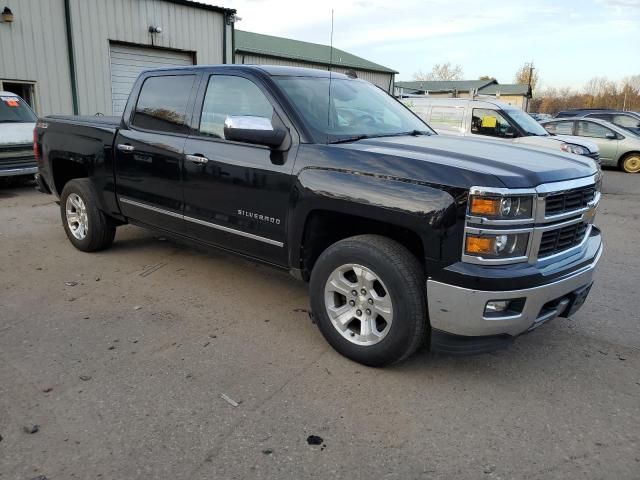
<point x="570" y="200"/>
<point x="556" y="241"/>
<point x="560" y="223"/>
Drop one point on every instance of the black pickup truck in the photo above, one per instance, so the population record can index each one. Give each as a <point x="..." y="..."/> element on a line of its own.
<point x="406" y="237"/>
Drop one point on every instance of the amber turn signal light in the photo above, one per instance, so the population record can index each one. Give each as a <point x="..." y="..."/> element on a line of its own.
<point x="485" y="206"/>
<point x="477" y="245"/>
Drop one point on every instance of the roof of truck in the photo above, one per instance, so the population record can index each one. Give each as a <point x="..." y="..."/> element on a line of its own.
<point x="273" y="70"/>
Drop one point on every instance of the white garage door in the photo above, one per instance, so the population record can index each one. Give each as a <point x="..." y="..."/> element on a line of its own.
<point x="127" y="63"/>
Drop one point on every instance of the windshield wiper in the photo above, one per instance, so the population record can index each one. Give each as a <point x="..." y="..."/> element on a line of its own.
<point x="355" y="138"/>
<point x="413" y="133"/>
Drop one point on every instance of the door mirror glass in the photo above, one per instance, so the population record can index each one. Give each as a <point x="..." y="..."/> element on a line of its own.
<point x="252" y="129"/>
<point x="611" y="136"/>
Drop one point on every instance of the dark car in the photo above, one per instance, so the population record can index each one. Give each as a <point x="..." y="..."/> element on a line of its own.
<point x="630" y="121"/>
<point x="407" y="238"/>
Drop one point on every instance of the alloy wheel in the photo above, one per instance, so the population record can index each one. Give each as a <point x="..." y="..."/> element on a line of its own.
<point x="358" y="304"/>
<point x="76" y="213"/>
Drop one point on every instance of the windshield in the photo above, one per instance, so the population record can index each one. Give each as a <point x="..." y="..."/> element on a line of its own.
<point x="14" y="109"/>
<point x="355" y="109"/>
<point x="527" y="123"/>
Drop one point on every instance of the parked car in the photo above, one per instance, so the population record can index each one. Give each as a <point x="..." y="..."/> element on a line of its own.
<point x="630" y="121"/>
<point x="618" y="147"/>
<point x="495" y="121"/>
<point x="406" y="237"/>
<point x="539" y="117"/>
<point x="17" y="122"/>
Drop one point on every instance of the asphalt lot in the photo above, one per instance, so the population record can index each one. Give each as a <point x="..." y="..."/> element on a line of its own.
<point x="123" y="372"/>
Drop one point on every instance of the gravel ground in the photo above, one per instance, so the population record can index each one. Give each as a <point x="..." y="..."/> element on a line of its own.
<point x="121" y="359"/>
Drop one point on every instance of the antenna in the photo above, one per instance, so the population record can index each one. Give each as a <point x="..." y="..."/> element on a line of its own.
<point x="330" y="76"/>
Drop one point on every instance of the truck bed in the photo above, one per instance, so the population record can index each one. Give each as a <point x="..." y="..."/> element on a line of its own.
<point x="90" y="120"/>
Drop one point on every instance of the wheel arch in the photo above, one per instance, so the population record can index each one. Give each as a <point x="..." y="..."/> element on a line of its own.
<point x="333" y="205"/>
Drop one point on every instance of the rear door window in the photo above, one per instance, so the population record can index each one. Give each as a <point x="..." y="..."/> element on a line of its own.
<point x="590" y="129"/>
<point x="602" y="116"/>
<point x="162" y="104"/>
<point x="447" y="118"/>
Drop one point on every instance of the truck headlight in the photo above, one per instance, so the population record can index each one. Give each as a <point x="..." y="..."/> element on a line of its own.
<point x="501" y="208"/>
<point x="575" y="149"/>
<point x="506" y="245"/>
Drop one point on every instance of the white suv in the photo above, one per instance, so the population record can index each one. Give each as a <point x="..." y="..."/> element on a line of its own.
<point x="493" y="120"/>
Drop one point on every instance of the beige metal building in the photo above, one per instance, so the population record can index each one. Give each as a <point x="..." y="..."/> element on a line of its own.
<point x="513" y="93"/>
<point x="257" y="49"/>
<point x="82" y="56"/>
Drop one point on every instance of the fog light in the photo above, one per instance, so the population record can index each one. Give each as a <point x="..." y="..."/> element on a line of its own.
<point x="496" y="306"/>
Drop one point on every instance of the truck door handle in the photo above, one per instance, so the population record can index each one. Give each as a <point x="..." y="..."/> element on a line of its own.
<point x="197" y="159"/>
<point x="123" y="147"/>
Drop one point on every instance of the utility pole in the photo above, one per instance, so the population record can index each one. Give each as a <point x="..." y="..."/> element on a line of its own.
<point x="530" y="77"/>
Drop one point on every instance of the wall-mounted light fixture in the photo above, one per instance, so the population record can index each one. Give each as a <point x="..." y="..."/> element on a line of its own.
<point x="233" y="18"/>
<point x="7" y="15"/>
<point x="155" y="29"/>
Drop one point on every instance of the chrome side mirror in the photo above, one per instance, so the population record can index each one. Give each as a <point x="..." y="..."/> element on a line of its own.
<point x="252" y="129"/>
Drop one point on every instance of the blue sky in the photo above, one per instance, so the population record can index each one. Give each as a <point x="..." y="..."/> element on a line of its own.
<point x="569" y="41"/>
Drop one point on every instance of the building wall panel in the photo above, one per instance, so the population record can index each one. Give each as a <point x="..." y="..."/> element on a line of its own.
<point x="96" y="23"/>
<point x="34" y="48"/>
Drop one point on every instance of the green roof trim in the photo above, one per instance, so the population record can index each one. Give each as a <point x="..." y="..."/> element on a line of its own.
<point x="279" y="47"/>
<point x="506" y="89"/>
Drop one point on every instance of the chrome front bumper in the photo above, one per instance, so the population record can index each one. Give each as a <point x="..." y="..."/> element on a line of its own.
<point x="460" y="311"/>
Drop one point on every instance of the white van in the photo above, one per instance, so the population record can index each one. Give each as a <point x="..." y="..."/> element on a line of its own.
<point x="493" y="120"/>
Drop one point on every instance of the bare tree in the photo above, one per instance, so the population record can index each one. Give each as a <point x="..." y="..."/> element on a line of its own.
<point x="598" y="92"/>
<point x="441" y="71"/>
<point x="526" y="75"/>
<point x="632" y="82"/>
<point x="597" y="86"/>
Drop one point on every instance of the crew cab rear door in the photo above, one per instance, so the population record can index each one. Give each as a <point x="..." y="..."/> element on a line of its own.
<point x="236" y="194"/>
<point x="148" y="151"/>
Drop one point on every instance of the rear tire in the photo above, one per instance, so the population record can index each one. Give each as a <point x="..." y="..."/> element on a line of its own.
<point x="630" y="163"/>
<point x="385" y="320"/>
<point x="86" y="226"/>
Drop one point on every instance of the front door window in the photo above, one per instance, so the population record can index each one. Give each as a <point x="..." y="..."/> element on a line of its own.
<point x="491" y="123"/>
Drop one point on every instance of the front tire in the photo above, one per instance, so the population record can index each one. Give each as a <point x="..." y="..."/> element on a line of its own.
<point x="86" y="226"/>
<point x="630" y="163"/>
<point x="368" y="299"/>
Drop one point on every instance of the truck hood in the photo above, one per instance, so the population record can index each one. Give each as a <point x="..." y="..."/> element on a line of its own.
<point x="514" y="166"/>
<point x="16" y="133"/>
